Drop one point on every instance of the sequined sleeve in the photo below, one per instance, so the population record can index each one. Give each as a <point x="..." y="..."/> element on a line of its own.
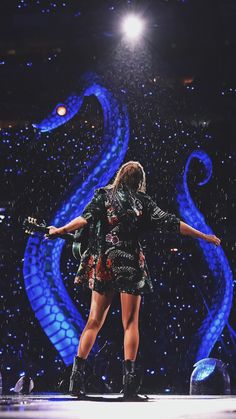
<point x="164" y="221"/>
<point x="95" y="208"/>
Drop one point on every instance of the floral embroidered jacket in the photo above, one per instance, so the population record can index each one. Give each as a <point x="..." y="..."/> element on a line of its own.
<point x="114" y="258"/>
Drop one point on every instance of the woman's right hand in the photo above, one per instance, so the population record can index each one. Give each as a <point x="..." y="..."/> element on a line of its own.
<point x="211" y="238"/>
<point x="53" y="232"/>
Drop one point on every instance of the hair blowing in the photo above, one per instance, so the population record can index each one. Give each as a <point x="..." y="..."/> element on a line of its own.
<point x="131" y="175"/>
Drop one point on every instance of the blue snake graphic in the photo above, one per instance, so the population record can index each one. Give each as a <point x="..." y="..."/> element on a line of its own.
<point x="218" y="313"/>
<point x="53" y="307"/>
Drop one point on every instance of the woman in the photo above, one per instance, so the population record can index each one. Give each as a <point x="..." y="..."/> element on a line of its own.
<point x="114" y="262"/>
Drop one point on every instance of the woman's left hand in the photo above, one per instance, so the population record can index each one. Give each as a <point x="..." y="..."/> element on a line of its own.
<point x="211" y="238"/>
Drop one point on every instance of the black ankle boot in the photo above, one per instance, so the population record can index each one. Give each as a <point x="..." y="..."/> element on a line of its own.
<point x="77" y="377"/>
<point x="131" y="379"/>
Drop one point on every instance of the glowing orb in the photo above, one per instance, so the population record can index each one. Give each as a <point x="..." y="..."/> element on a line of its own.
<point x="61" y="110"/>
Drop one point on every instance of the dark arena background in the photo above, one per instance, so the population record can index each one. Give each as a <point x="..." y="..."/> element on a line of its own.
<point x="78" y="99"/>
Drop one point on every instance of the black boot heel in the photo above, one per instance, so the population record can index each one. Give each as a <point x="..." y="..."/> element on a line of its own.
<point x="131" y="381"/>
<point x="77" y="387"/>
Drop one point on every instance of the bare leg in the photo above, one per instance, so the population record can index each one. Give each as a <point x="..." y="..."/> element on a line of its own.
<point x="100" y="304"/>
<point x="130" y="305"/>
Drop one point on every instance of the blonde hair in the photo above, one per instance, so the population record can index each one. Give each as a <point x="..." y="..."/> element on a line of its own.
<point x="131" y="175"/>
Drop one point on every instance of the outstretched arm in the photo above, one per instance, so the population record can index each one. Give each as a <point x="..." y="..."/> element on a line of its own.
<point x="187" y="230"/>
<point x="170" y="222"/>
<point x="92" y="211"/>
<point x="73" y="225"/>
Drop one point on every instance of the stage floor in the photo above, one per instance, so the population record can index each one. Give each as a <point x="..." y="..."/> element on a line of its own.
<point x="55" y="406"/>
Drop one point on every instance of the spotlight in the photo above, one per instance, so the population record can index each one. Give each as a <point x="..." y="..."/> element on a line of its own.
<point x="61" y="110"/>
<point x="132" y="27"/>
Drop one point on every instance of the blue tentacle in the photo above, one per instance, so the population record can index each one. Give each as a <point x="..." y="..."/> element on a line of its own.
<point x="219" y="311"/>
<point x="53" y="307"/>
